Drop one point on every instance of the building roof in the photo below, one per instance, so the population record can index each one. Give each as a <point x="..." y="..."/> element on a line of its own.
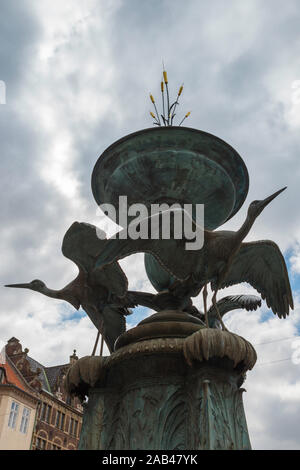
<point x="14" y="377"/>
<point x="52" y="374"/>
<point x="47" y="375"/>
<point x="11" y="376"/>
<point x="42" y="376"/>
<point x="38" y="377"/>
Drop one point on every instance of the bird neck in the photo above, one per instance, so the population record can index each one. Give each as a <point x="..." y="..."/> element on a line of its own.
<point x="57" y="294"/>
<point x="245" y="228"/>
<point x="54" y="294"/>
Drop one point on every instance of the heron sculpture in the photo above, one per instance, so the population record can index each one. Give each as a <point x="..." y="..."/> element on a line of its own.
<point x="107" y="316"/>
<point x="102" y="293"/>
<point x="224" y="260"/>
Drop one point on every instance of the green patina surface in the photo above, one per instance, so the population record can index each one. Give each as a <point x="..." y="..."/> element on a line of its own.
<point x="157" y="275"/>
<point x="173" y="165"/>
<point x="159" y="403"/>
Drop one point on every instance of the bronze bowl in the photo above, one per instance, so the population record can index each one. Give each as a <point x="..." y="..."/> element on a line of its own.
<point x="172" y="165"/>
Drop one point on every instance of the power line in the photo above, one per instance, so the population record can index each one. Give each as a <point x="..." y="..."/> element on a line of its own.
<point x="273" y="362"/>
<point x="276" y="340"/>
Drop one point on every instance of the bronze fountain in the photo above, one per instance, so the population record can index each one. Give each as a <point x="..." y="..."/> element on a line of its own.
<point x="175" y="380"/>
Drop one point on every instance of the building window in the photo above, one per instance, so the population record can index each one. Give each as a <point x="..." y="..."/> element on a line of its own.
<point x="38" y="411"/>
<point x="60" y="420"/>
<point x="71" y="426"/>
<point x="13" y="415"/>
<point x="40" y="444"/>
<point x="47" y="415"/>
<point x="58" y="415"/>
<point x="62" y="423"/>
<point x="2" y="375"/>
<point x="43" y="411"/>
<point x="55" y="447"/>
<point x="25" y="420"/>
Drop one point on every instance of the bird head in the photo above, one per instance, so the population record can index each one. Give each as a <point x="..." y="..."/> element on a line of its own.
<point x="36" y="285"/>
<point x="256" y="207"/>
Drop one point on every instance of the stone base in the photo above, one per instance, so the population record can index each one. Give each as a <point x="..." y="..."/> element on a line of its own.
<point x="166" y="393"/>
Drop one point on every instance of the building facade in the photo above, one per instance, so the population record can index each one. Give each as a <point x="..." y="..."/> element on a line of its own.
<point x="58" y="416"/>
<point x="18" y="409"/>
<point x="57" y="426"/>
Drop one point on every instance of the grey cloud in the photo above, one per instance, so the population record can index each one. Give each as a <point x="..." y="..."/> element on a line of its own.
<point x="19" y="30"/>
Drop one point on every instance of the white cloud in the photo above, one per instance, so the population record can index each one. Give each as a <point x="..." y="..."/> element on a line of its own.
<point x="295" y="259"/>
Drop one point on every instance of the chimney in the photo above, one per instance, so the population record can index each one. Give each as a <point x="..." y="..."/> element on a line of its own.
<point x="13" y="347"/>
<point x="73" y="358"/>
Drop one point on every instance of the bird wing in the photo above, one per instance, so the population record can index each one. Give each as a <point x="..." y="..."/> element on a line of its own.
<point x="109" y="320"/>
<point x="171" y="253"/>
<point x="112" y="277"/>
<point x="233" y="302"/>
<point x="135" y="298"/>
<point x="157" y="302"/>
<point x="262" y="265"/>
<point x="81" y="244"/>
<point x="114" y="324"/>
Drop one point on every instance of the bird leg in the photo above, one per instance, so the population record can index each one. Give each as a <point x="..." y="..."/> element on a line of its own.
<point x="101" y="347"/>
<point x="214" y="302"/>
<point x="97" y="340"/>
<point x="102" y="338"/>
<point x="96" y="343"/>
<point x="205" y="305"/>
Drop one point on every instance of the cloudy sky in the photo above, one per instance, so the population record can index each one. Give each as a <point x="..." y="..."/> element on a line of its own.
<point x="78" y="76"/>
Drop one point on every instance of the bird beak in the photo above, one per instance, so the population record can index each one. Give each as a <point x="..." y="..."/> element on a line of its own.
<point x="266" y="201"/>
<point x="21" y="286"/>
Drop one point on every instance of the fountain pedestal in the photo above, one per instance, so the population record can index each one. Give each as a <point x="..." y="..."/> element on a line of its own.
<point x="181" y="391"/>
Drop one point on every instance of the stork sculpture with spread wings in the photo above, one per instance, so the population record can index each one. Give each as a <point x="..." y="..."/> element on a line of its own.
<point x="224" y="260"/>
<point x="102" y="293"/>
<point x="101" y="287"/>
